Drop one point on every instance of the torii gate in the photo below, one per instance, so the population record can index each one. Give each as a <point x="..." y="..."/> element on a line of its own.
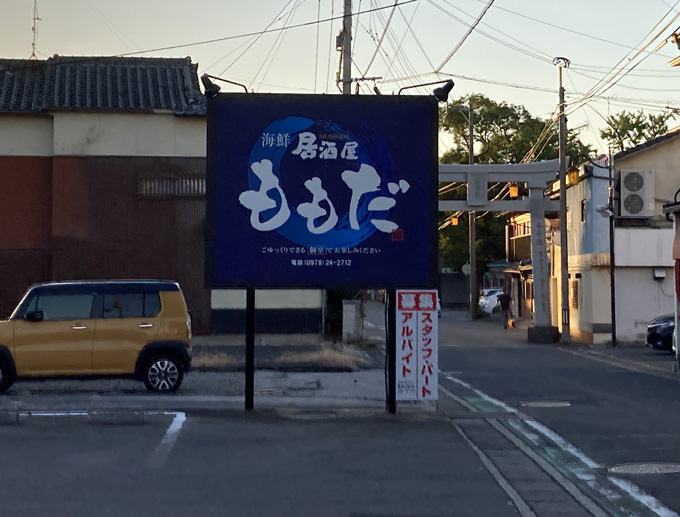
<point x="536" y="176"/>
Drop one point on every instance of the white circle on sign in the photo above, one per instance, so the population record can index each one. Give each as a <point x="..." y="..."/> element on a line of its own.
<point x="465" y="269"/>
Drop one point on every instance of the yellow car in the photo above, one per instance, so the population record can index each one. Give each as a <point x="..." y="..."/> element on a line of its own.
<point x="114" y="328"/>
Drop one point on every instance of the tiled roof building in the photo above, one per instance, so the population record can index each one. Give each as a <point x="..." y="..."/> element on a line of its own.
<point x="101" y="84"/>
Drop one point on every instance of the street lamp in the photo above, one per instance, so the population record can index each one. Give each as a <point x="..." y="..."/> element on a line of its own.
<point x="441" y="93"/>
<point x="572" y="175"/>
<point x="211" y="89"/>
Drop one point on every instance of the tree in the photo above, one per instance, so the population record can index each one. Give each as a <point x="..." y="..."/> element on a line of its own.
<point x="628" y="129"/>
<point x="503" y="133"/>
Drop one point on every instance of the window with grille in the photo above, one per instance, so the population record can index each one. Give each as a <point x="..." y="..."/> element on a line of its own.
<point x="171" y="187"/>
<point x="583" y="210"/>
<point x="574" y="294"/>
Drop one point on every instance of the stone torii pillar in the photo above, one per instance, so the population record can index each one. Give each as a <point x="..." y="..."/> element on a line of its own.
<point x="536" y="176"/>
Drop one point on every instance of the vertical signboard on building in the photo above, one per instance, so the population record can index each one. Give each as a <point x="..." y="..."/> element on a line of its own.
<point x="417" y="345"/>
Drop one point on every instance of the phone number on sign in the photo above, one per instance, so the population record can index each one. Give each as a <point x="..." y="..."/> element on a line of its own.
<point x="323" y="262"/>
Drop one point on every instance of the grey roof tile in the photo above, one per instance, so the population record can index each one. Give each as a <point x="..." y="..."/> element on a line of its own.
<point x="100" y="84"/>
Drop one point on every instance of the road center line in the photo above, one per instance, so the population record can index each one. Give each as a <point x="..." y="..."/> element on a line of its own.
<point x="161" y="453"/>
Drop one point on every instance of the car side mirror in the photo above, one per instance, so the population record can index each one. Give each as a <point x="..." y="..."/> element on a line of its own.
<point x="34" y="316"/>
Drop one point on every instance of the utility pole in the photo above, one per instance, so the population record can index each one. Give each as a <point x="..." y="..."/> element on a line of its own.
<point x="472" y="231"/>
<point x="612" y="258"/>
<point x="563" y="62"/>
<point x="347" y="49"/>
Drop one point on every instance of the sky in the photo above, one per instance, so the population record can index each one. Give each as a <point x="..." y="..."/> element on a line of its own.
<point x="503" y="49"/>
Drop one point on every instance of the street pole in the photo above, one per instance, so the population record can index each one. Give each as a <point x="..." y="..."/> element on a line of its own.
<point x="563" y="62"/>
<point x="612" y="263"/>
<point x="250" y="349"/>
<point x="472" y="230"/>
<point x="391" y="401"/>
<point x="347" y="49"/>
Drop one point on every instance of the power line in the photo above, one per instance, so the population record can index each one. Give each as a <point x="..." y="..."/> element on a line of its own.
<point x="257" y="33"/>
<point x="330" y="46"/>
<point x="316" y="57"/>
<point x="612" y="77"/>
<point x="377" y="48"/>
<point x="493" y="38"/>
<point x="277" y="43"/>
<point x="465" y="36"/>
<point x="253" y="39"/>
<point x="562" y="27"/>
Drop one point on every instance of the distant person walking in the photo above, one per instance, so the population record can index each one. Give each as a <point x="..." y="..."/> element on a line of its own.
<point x="506" y="307"/>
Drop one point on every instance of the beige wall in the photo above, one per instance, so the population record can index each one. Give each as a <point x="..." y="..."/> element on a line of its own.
<point x="268" y="299"/>
<point x="26" y="135"/>
<point x="661" y="158"/>
<point x="128" y="134"/>
<point x="644" y="247"/>
<point x="103" y="134"/>
<point x="639" y="299"/>
<point x="596" y="284"/>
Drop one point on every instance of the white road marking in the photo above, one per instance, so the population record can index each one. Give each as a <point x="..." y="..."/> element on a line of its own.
<point x="53" y="413"/>
<point x="161" y="453"/>
<point x="584" y="473"/>
<point x="483" y="395"/>
<point x="649" y="501"/>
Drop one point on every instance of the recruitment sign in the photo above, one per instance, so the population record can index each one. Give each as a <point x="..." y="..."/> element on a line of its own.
<point x="417" y="345"/>
<point x="321" y="191"/>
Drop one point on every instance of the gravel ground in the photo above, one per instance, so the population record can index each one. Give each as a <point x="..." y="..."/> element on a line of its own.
<point x="195" y="383"/>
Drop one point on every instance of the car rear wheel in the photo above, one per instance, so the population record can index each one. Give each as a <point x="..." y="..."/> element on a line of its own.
<point x="163" y="373"/>
<point x="5" y="375"/>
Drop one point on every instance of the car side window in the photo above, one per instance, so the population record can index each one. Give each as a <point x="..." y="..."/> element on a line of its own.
<point x="31" y="306"/>
<point x="63" y="306"/>
<point x="131" y="305"/>
<point x="152" y="304"/>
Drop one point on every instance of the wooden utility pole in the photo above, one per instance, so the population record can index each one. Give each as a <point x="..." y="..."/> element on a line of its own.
<point x="347" y="49"/>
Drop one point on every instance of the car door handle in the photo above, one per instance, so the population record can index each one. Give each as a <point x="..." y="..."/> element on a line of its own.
<point x="78" y="327"/>
<point x="145" y="325"/>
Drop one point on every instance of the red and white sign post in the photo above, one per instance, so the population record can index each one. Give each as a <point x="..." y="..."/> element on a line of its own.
<point x="417" y="345"/>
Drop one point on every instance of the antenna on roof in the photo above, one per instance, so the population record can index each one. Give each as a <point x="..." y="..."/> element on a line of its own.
<point x="35" y="28"/>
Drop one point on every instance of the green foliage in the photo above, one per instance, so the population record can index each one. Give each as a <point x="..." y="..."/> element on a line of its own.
<point x="489" y="242"/>
<point x="628" y="129"/>
<point x="503" y="133"/>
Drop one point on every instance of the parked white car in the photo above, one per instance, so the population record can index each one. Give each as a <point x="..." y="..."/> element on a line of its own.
<point x="488" y="300"/>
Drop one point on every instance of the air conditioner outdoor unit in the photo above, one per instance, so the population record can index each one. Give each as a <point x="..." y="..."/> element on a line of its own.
<point x="637" y="194"/>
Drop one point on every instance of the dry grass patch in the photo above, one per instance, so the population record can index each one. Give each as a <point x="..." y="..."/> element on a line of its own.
<point x="325" y="357"/>
<point x="214" y="360"/>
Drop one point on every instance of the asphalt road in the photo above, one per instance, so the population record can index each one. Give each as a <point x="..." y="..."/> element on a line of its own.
<point x="519" y="429"/>
<point x="262" y="464"/>
<point x="606" y="420"/>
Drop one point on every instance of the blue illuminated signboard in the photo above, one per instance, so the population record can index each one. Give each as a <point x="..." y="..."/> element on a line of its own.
<point x="321" y="191"/>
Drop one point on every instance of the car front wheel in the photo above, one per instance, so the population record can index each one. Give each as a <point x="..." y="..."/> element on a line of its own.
<point x="163" y="373"/>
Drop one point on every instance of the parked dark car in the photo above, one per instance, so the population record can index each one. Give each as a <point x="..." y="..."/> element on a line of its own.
<point x="660" y="332"/>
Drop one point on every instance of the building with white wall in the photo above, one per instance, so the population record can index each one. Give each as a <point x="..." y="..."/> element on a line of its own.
<point x="643" y="179"/>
